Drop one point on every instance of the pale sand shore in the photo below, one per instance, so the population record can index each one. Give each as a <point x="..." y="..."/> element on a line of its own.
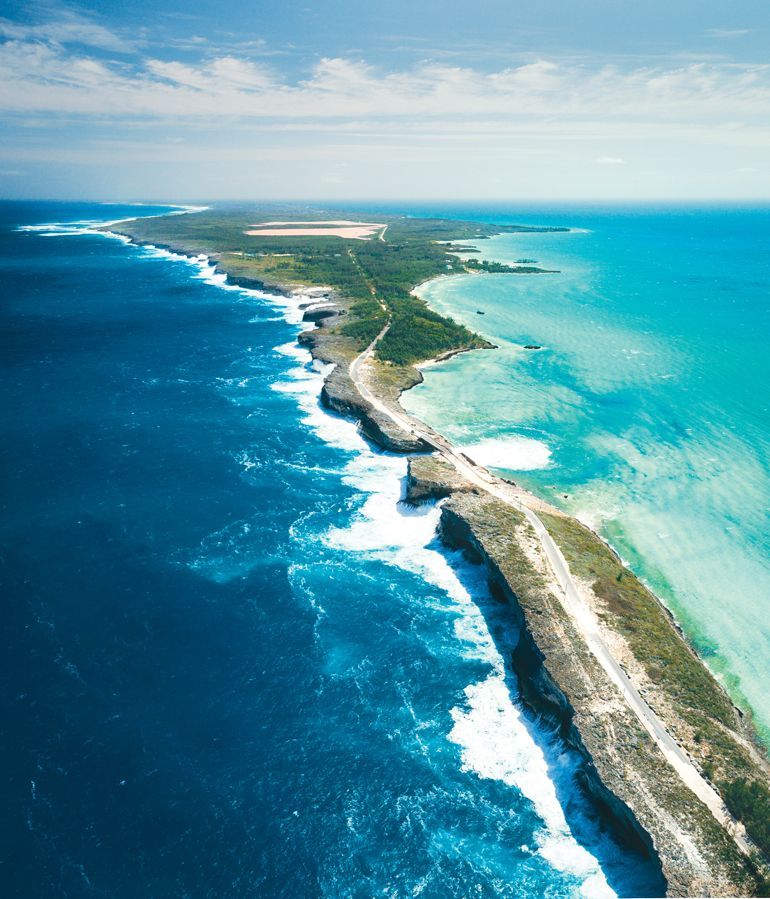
<point x="330" y="228"/>
<point x="317" y="223"/>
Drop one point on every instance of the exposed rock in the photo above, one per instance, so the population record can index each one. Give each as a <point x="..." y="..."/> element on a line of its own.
<point x="626" y="778"/>
<point x="431" y="477"/>
<point x="254" y="283"/>
<point x="325" y="299"/>
<point x="319" y="313"/>
<point x="340" y="394"/>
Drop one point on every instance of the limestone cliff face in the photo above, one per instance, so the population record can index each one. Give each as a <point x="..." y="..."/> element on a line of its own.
<point x="540" y="692"/>
<point x="318" y="314"/>
<point x="340" y="394"/>
<point x="428" y="478"/>
<point x="627" y="779"/>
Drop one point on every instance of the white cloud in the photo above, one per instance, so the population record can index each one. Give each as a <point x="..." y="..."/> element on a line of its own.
<point x="48" y="78"/>
<point x="531" y="112"/>
<point x="537" y="76"/>
<point x="68" y="29"/>
<point x="341" y="77"/>
<point x="724" y="33"/>
<point x="223" y="75"/>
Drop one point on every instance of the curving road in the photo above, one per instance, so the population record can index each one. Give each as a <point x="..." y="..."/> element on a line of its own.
<point x="573" y="602"/>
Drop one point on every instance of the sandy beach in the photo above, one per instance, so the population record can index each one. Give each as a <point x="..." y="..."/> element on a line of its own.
<point x="329" y="228"/>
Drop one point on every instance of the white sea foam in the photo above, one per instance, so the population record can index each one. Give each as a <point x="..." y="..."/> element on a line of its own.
<point x="176" y="210"/>
<point x="497" y="745"/>
<point x="510" y="453"/>
<point x="304" y="382"/>
<point x="494" y="740"/>
<point x="72" y="229"/>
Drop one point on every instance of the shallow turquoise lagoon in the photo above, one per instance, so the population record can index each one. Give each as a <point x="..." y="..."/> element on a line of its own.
<point x="647" y="410"/>
<point x="233" y="664"/>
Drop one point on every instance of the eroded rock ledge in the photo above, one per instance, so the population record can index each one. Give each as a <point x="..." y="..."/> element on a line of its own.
<point x="340" y="394"/>
<point x="429" y="477"/>
<point x="626" y="778"/>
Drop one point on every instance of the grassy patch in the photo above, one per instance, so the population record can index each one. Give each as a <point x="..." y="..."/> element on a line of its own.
<point x="632" y="610"/>
<point x="371" y="273"/>
<point x="749" y="800"/>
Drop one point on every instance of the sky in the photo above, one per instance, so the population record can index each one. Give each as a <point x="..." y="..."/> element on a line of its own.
<point x="405" y="99"/>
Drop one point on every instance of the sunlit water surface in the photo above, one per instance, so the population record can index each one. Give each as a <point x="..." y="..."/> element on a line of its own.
<point x="647" y="410"/>
<point x="233" y="665"/>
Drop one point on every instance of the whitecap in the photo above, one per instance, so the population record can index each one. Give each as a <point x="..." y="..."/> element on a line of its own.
<point x="510" y="453"/>
<point x="304" y="383"/>
<point x="495" y="742"/>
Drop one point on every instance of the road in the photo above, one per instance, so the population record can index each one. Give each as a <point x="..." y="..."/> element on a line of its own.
<point x="574" y="604"/>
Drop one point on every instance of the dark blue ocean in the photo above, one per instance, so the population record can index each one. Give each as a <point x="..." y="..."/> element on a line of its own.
<point x="232" y="664"/>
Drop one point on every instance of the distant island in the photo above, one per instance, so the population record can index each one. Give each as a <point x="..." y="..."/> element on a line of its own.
<point x="500" y="268"/>
<point x="670" y="764"/>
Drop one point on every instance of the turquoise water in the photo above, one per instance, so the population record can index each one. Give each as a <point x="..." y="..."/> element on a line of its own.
<point x="647" y="411"/>
<point x="232" y="663"/>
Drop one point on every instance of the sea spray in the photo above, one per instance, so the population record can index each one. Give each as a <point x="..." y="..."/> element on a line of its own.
<point x="494" y="739"/>
<point x="649" y="394"/>
<point x="404" y="539"/>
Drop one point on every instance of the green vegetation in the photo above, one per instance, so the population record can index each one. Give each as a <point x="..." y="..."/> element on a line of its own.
<point x="484" y="265"/>
<point x="632" y="610"/>
<point x="363" y="330"/>
<point x="417" y="333"/>
<point x="749" y="801"/>
<point x="378" y="276"/>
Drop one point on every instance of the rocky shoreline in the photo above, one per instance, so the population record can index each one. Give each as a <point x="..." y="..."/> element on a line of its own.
<point x="627" y="781"/>
<point x="632" y="787"/>
<point x="635" y="793"/>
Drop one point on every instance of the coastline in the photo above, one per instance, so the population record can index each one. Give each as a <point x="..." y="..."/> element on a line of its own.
<point x="684" y="876"/>
<point x="631" y="545"/>
<point x="624" y="803"/>
<point x="341" y="393"/>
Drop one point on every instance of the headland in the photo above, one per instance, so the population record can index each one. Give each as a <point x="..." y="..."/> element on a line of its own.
<point x="670" y="763"/>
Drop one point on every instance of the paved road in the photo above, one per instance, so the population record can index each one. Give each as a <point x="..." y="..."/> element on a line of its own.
<point x="572" y="601"/>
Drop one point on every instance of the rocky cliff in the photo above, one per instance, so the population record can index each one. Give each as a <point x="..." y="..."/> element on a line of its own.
<point x="624" y="774"/>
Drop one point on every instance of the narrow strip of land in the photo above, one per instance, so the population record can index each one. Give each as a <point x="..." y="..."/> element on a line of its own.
<point x="572" y="601"/>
